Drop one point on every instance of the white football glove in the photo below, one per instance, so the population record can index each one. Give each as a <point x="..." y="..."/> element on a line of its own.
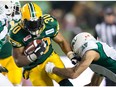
<point x="49" y="67"/>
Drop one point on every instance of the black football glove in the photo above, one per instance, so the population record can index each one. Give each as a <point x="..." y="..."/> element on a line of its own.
<point x="75" y="59"/>
<point x="3" y="69"/>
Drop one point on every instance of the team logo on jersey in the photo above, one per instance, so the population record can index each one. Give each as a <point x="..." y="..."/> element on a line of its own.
<point x="27" y="37"/>
<point x="50" y="31"/>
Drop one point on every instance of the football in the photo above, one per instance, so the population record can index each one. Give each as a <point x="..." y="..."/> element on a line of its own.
<point x="32" y="46"/>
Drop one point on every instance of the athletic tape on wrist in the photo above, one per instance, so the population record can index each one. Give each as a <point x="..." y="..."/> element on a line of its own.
<point x="70" y="54"/>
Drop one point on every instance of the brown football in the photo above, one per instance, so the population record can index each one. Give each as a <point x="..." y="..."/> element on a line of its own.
<point x="32" y="46"/>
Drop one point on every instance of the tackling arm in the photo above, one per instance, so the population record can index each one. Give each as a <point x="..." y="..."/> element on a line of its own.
<point x="78" y="69"/>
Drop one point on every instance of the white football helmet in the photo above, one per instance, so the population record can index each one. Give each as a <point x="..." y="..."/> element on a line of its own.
<point x="10" y="8"/>
<point x="81" y="39"/>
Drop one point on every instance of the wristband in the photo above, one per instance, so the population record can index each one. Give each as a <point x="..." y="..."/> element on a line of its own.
<point x="70" y="54"/>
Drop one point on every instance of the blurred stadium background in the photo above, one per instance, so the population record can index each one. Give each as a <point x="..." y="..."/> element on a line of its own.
<point x="75" y="17"/>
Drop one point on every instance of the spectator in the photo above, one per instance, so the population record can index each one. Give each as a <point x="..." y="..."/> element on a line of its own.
<point x="70" y="24"/>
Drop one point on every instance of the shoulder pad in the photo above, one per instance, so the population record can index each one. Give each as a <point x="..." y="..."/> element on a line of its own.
<point x="48" y="19"/>
<point x="51" y="25"/>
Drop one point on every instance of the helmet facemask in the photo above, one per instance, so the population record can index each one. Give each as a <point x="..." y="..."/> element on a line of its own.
<point x="16" y="14"/>
<point x="32" y="18"/>
<point x="16" y="10"/>
<point x="8" y="9"/>
<point x="33" y="25"/>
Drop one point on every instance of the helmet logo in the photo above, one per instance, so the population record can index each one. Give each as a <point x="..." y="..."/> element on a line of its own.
<point x="84" y="46"/>
<point x="87" y="37"/>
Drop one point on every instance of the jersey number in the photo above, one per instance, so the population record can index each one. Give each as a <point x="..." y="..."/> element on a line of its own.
<point x="47" y="18"/>
<point x="16" y="29"/>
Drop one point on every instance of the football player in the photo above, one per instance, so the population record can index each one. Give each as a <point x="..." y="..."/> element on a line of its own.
<point x="8" y="12"/>
<point x="35" y="26"/>
<point x="94" y="54"/>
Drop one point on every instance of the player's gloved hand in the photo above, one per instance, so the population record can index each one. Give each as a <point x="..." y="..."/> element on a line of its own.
<point x="37" y="52"/>
<point x="3" y="69"/>
<point x="49" y="67"/>
<point x="40" y="49"/>
<point x="73" y="57"/>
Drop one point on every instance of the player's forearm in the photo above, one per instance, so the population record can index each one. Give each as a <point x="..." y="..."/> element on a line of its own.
<point x="63" y="72"/>
<point x="73" y="72"/>
<point x="65" y="47"/>
<point x="20" y="59"/>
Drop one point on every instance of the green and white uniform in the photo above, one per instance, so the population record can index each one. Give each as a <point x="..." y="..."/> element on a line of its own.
<point x="106" y="64"/>
<point x="3" y="30"/>
<point x="20" y="37"/>
<point x="5" y="46"/>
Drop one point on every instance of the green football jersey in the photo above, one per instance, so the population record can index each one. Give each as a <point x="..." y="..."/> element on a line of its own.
<point x="20" y="37"/>
<point x="106" y="64"/>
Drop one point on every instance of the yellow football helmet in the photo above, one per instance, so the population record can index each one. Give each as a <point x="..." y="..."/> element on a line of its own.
<point x="32" y="17"/>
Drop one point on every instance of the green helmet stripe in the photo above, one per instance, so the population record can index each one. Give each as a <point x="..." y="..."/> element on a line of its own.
<point x="31" y="7"/>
